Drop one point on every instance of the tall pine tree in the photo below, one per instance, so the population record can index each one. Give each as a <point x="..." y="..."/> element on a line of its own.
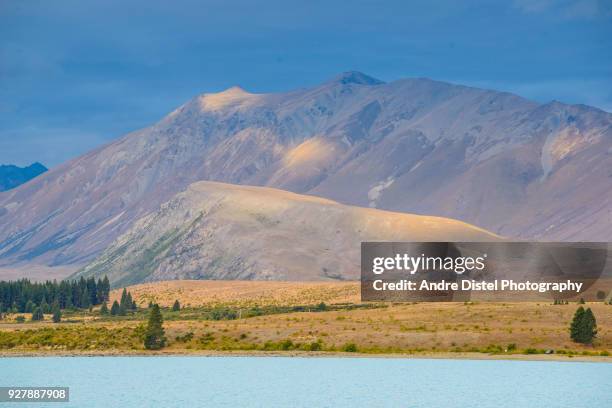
<point x="115" y="309"/>
<point x="583" y="327"/>
<point x="154" y="335"/>
<point x="57" y="313"/>
<point x="37" y="314"/>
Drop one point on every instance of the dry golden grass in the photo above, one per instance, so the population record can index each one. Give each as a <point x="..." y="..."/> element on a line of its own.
<point x="195" y="293"/>
<point x="421" y="327"/>
<point x="397" y="328"/>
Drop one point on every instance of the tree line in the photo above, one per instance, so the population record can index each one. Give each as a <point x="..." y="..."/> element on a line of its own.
<point x="24" y="296"/>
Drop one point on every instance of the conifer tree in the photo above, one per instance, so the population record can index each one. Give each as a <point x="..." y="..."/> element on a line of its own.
<point x="589" y="326"/>
<point x="123" y="301"/>
<point x="105" y="287"/>
<point x="84" y="301"/>
<point x="44" y="306"/>
<point x="29" y="307"/>
<point x="37" y="314"/>
<point x="575" y="325"/>
<point x="104" y="309"/>
<point x="57" y="313"/>
<point x="115" y="309"/>
<point x="134" y="305"/>
<point x="583" y="328"/>
<point x="154" y="334"/>
<point x="176" y="306"/>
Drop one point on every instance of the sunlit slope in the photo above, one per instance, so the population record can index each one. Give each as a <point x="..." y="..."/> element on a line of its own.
<point x="223" y="231"/>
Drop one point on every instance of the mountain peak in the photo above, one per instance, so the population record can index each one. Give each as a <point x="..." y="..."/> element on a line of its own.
<point x="356" y="77"/>
<point x="234" y="96"/>
<point x="235" y="90"/>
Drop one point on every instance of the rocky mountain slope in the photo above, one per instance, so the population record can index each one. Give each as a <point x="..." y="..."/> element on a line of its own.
<point x="493" y="159"/>
<point x="14" y="176"/>
<point x="224" y="231"/>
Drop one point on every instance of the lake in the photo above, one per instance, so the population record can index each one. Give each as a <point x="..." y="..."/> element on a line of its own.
<point x="111" y="382"/>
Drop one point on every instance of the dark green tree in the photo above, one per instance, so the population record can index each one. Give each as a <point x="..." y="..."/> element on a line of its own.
<point x="44" y="306"/>
<point x="92" y="291"/>
<point x="134" y="305"/>
<point x="154" y="335"/>
<point x="115" y="309"/>
<point x="575" y="325"/>
<point x="176" y="306"/>
<point x="105" y="287"/>
<point x="57" y="313"/>
<point x="123" y="302"/>
<point x="589" y="326"/>
<point x="37" y="314"/>
<point x="583" y="327"/>
<point x="104" y="309"/>
<point x="29" y="307"/>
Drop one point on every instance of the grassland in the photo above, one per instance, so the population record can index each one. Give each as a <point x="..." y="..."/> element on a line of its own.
<point x="311" y="318"/>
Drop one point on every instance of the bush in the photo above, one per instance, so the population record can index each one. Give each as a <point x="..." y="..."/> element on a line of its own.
<point x="316" y="346"/>
<point x="187" y="337"/>
<point x="349" y="348"/>
<point x="286" y="345"/>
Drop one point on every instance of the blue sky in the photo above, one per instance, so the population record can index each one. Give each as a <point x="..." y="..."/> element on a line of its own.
<point x="75" y="74"/>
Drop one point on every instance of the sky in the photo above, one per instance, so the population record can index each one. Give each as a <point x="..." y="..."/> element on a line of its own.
<point x="76" y="74"/>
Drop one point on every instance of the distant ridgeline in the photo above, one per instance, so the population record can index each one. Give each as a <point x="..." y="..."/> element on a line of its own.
<point x="13" y="176"/>
<point x="23" y="296"/>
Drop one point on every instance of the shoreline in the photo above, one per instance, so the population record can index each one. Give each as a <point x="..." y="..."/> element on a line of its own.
<point x="306" y="354"/>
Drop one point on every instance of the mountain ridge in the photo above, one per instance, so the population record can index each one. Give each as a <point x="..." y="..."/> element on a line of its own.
<point x="12" y="176"/>
<point x="496" y="160"/>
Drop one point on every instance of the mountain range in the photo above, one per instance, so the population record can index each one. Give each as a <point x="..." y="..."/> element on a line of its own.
<point x="501" y="162"/>
<point x="13" y="176"/>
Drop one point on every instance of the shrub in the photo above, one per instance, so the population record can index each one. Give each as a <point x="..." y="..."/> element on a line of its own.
<point x="187" y="337"/>
<point x="349" y="348"/>
<point x="286" y="345"/>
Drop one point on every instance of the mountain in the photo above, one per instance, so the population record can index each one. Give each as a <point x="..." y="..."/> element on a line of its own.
<point x="225" y="231"/>
<point x="13" y="176"/>
<point x="492" y="159"/>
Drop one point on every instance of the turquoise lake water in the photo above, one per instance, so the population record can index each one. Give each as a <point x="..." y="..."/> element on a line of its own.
<point x="111" y="382"/>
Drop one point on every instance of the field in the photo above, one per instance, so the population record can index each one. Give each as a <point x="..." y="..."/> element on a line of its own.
<point x="229" y="316"/>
